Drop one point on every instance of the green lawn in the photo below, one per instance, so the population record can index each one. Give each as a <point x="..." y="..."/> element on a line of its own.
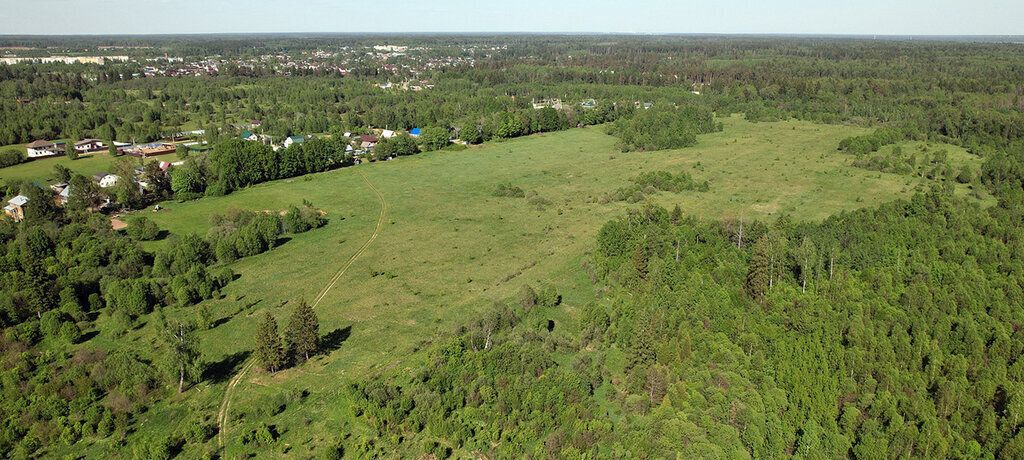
<point x="454" y="249"/>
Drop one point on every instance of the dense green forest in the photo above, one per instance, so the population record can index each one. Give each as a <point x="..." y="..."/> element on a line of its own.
<point x="886" y="332"/>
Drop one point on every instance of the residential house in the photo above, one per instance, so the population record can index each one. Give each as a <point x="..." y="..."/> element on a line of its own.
<point x="105" y="179"/>
<point x="387" y="134"/>
<point x="15" y="208"/>
<point x="366" y="142"/>
<point x="415" y="132"/>
<point x="293" y="140"/>
<point x="62" y="198"/>
<point x="588" y="104"/>
<point x="43" y="148"/>
<point x="545" y="103"/>
<point x="250" y="136"/>
<point x="86" y="146"/>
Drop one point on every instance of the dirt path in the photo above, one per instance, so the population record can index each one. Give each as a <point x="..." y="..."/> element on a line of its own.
<point x="225" y="405"/>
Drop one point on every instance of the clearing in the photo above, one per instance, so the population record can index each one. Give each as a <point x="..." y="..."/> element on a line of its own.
<point x="449" y="248"/>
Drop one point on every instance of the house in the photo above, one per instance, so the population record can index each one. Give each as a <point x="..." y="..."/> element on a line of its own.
<point x="250" y="136"/>
<point x="104" y="179"/>
<point x="368" y="138"/>
<point x="293" y="140"/>
<point x="15" y="208"/>
<point x="415" y="132"/>
<point x="545" y="103"/>
<point x="62" y="198"/>
<point x="88" y="146"/>
<point x="588" y="104"/>
<point x="387" y="134"/>
<point x="42" y="148"/>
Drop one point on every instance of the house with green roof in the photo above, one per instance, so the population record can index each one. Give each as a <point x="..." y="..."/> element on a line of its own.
<point x="293" y="140"/>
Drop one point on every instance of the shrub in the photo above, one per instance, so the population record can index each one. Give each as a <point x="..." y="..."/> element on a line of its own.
<point x="143" y="229"/>
<point x="11" y="157"/>
<point x="527" y="297"/>
<point x="508" y="190"/>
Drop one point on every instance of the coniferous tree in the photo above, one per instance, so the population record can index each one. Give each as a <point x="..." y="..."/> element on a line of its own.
<point x="759" y="271"/>
<point x="677" y="214"/>
<point x="269" y="352"/>
<point x="303" y="334"/>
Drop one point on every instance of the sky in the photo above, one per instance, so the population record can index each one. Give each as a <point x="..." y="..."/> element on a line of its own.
<point x="849" y="17"/>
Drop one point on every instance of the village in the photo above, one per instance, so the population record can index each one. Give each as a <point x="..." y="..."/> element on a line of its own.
<point x="357" y="147"/>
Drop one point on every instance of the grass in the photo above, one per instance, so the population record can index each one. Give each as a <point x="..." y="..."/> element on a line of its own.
<point x="455" y="249"/>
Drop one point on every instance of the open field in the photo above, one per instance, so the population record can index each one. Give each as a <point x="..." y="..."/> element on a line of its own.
<point x="449" y="248"/>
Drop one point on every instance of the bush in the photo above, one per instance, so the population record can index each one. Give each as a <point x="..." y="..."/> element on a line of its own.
<point x="69" y="332"/>
<point x="11" y="157"/>
<point x="508" y="190"/>
<point x="650" y="183"/>
<point x="548" y="297"/>
<point x="527" y="297"/>
<point x="216" y="189"/>
<point x="142" y="229"/>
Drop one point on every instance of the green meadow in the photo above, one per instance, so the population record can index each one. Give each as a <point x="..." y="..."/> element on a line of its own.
<point x="448" y="249"/>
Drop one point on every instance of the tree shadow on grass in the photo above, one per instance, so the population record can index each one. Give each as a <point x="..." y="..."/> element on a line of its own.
<point x="333" y="340"/>
<point x="221" y="371"/>
<point x="88" y="336"/>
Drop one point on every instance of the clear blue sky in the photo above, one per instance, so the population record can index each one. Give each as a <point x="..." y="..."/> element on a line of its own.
<point x="891" y="17"/>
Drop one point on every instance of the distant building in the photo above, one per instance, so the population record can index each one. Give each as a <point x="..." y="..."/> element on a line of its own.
<point x="387" y="134"/>
<point x="415" y="132"/>
<point x="88" y="146"/>
<point x="15" y="208"/>
<point x="62" y="198"/>
<point x="43" y="148"/>
<point x="105" y="180"/>
<point x="250" y="136"/>
<point x="293" y="140"/>
<point x="588" y="104"/>
<point x="148" y="150"/>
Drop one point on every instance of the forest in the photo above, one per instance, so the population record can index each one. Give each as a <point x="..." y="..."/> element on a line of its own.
<point x="885" y="332"/>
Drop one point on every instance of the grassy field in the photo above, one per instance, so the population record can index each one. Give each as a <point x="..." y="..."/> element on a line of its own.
<point x="41" y="170"/>
<point x="449" y="248"/>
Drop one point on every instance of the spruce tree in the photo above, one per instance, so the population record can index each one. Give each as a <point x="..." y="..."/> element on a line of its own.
<point x="759" y="272"/>
<point x="269" y="353"/>
<point x="303" y="334"/>
<point x="677" y="215"/>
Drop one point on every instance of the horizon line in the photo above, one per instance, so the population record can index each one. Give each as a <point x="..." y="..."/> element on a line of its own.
<point x="479" y="33"/>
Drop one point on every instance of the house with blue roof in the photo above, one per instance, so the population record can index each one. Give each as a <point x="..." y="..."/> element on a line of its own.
<point x="415" y="132"/>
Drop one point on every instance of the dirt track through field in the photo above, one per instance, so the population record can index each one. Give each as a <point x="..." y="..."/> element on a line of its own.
<point x="225" y="405"/>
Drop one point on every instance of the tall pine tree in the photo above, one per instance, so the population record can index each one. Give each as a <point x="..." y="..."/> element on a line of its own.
<point x="269" y="352"/>
<point x="759" y="272"/>
<point x="303" y="334"/>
